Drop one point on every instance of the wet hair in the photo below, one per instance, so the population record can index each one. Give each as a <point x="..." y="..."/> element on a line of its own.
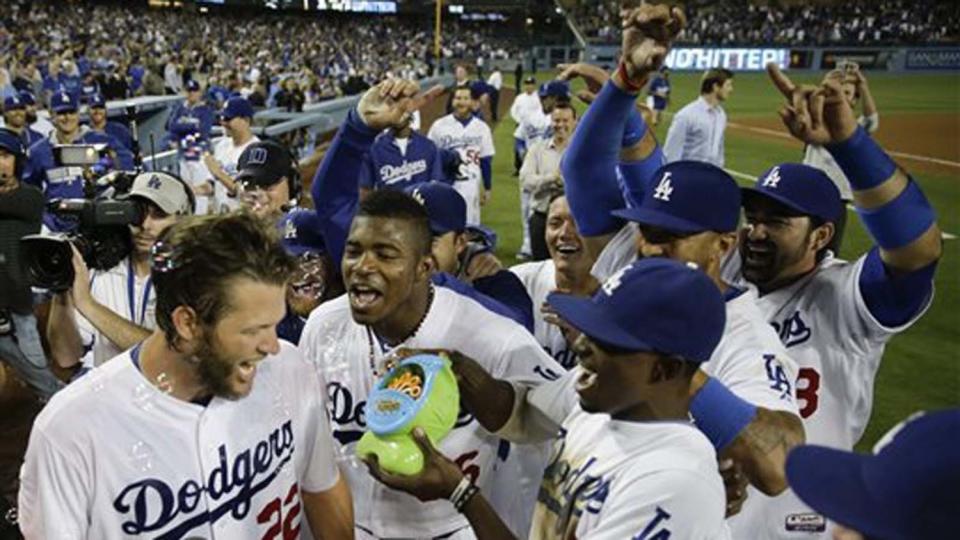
<point x="399" y="206"/>
<point x="195" y="260"/>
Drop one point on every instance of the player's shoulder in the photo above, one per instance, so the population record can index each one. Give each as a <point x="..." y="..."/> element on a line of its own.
<point x="746" y="322"/>
<point x="528" y="272"/>
<point x="287" y="366"/>
<point x="333" y="315"/>
<point x="80" y="406"/>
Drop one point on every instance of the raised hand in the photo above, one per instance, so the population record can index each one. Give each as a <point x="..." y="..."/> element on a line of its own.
<point x="391" y="103"/>
<point x="648" y="31"/>
<point x="815" y="114"/>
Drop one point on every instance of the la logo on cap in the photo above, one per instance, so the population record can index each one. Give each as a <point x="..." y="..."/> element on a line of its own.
<point x="289" y="230"/>
<point x="258" y="156"/>
<point x="417" y="196"/>
<point x="773" y="179"/>
<point x="664" y="189"/>
<point x="154" y="182"/>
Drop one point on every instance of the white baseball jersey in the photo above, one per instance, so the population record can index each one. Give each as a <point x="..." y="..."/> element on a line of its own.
<point x="42" y="125"/>
<point x="346" y="353"/>
<point x="818" y="156"/>
<point x="473" y="141"/>
<point x="227" y="154"/>
<point x="523" y="104"/>
<point x="126" y="294"/>
<point x="113" y="456"/>
<point x="827" y="328"/>
<point x="749" y="360"/>
<point x="617" y="480"/>
<point x="536" y="126"/>
<point x="194" y="172"/>
<point x="540" y="279"/>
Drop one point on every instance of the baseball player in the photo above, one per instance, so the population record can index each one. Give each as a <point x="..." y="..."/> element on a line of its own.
<point x="106" y="312"/>
<point x="687" y="211"/>
<point x="906" y="489"/>
<point x="391" y="303"/>
<point x="639" y="468"/>
<point x="399" y="159"/>
<point x="335" y="191"/>
<point x="66" y="181"/>
<point x="525" y="102"/>
<point x="658" y="94"/>
<point x="97" y="107"/>
<point x="473" y="140"/>
<point x="567" y="270"/>
<point x="188" y="131"/>
<point x="315" y="279"/>
<point x="236" y="117"/>
<point x="211" y="427"/>
<point x="835" y="317"/>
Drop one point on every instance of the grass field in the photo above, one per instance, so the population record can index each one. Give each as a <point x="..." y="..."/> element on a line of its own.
<point x="920" y="116"/>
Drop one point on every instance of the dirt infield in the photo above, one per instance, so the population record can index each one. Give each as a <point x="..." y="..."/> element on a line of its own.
<point x="922" y="135"/>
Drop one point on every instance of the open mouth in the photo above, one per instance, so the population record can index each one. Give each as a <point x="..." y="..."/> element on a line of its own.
<point x="363" y="297"/>
<point x="757" y="254"/>
<point x="308" y="288"/>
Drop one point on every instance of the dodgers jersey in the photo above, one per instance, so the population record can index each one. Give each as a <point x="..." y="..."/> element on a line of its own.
<point x="227" y="154"/>
<point x="536" y="126"/>
<point x="342" y="349"/>
<point x="396" y="163"/>
<point x="123" y="292"/>
<point x="171" y="469"/>
<point x="473" y="141"/>
<point x="750" y="359"/>
<point x="617" y="480"/>
<point x="523" y="104"/>
<point x="826" y="326"/>
<point x="540" y="279"/>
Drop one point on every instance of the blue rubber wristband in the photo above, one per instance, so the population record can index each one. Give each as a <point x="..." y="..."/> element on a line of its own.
<point x="900" y="221"/>
<point x="634" y="130"/>
<point x="862" y="160"/>
<point x="720" y="414"/>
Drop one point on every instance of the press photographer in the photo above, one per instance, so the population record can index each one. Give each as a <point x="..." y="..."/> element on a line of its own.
<point x="21" y="208"/>
<point x="65" y="180"/>
<point x="108" y="311"/>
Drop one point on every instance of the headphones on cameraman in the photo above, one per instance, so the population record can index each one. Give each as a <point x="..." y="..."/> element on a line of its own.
<point x="11" y="142"/>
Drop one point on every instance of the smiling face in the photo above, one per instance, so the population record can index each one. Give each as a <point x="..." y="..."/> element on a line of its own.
<point x="384" y="265"/>
<point x="776" y="246"/>
<point x="614" y="383"/>
<point x="67" y="122"/>
<point x="227" y="354"/>
<point x="98" y="117"/>
<point x="15" y="118"/>
<point x="463" y="103"/>
<point x="564" y="241"/>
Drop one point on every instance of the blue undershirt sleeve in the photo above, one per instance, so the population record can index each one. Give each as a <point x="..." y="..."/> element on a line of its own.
<point x="486" y="169"/>
<point x="894" y="300"/>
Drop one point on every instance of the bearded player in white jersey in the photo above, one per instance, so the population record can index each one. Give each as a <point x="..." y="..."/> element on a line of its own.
<point x="391" y="304"/>
<point x="834" y="316"/>
<point x="210" y="428"/>
<point x="472" y="139"/>
<point x="688" y="211"/>
<point x="567" y="271"/>
<point x="627" y="463"/>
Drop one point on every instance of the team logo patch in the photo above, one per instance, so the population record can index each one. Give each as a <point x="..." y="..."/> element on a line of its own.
<point x="258" y="156"/>
<point x="807" y="522"/>
<point x="154" y="182"/>
<point x="773" y="179"/>
<point x="664" y="189"/>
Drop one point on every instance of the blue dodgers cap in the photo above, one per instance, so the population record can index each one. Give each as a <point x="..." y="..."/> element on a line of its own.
<point x="559" y="89"/>
<point x="906" y="490"/>
<point x="300" y="232"/>
<point x="62" y="102"/>
<point x="237" y="107"/>
<point x="96" y="101"/>
<point x="192" y="86"/>
<point x="688" y="197"/>
<point x="13" y="103"/>
<point x="27" y="98"/>
<point x="445" y="207"/>
<point x="806" y="189"/>
<point x="655" y="304"/>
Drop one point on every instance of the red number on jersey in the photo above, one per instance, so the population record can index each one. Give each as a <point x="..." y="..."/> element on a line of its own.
<point x="472" y="470"/>
<point x="273" y="513"/>
<point x="808" y="391"/>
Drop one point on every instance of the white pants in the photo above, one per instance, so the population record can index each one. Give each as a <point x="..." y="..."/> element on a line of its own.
<point x="470" y="191"/>
<point x="525" y="212"/>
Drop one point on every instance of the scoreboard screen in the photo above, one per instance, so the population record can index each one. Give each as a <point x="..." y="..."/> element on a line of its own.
<point x="355" y="6"/>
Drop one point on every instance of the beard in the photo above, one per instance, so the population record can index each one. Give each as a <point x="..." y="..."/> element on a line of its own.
<point x="215" y="369"/>
<point x="763" y="262"/>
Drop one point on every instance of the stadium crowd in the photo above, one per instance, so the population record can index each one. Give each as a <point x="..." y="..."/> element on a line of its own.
<point x="743" y="22"/>
<point x="123" y="50"/>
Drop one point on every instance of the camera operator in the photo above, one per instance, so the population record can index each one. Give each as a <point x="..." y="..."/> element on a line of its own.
<point x="21" y="208"/>
<point x="116" y="306"/>
<point x="60" y="181"/>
